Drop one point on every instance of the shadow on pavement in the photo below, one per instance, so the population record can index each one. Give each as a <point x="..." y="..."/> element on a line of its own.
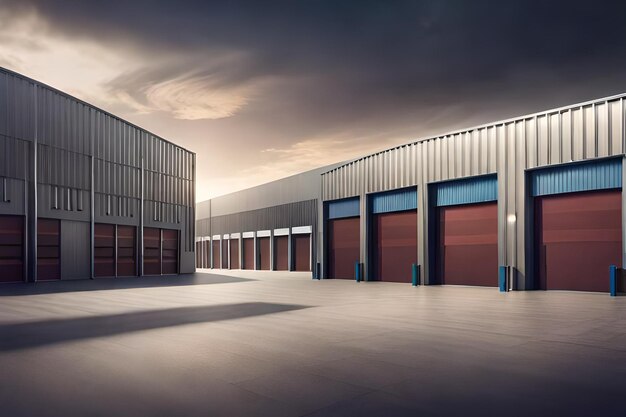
<point x="39" y="333"/>
<point x="100" y="284"/>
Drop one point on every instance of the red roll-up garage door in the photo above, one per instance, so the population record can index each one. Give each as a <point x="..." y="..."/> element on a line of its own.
<point x="395" y="235"/>
<point x="577" y="237"/>
<point x="467" y="253"/>
<point x="170" y="251"/>
<point x="264" y="253"/>
<point x="151" y="251"/>
<point x="234" y="253"/>
<point x="48" y="249"/>
<point x="225" y="246"/>
<point x="216" y="254"/>
<point x="343" y="247"/>
<point x="281" y="251"/>
<point x="11" y="248"/>
<point x="248" y="253"/>
<point x="104" y="250"/>
<point x="302" y="252"/>
<point x="126" y="251"/>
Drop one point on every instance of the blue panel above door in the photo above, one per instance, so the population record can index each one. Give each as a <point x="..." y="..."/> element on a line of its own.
<point x="339" y="209"/>
<point x="466" y="191"/>
<point x="569" y="178"/>
<point x="396" y="200"/>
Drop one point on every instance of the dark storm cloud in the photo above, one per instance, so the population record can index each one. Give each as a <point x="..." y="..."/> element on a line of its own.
<point x="457" y="41"/>
<point x="362" y="54"/>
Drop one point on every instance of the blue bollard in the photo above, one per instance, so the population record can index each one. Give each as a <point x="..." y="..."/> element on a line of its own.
<point x="415" y="274"/>
<point x="357" y="271"/>
<point x="502" y="278"/>
<point x="613" y="278"/>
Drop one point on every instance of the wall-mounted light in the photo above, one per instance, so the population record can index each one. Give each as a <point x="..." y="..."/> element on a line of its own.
<point x="511" y="218"/>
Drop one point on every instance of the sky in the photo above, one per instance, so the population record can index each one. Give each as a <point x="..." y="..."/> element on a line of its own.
<point x="265" y="89"/>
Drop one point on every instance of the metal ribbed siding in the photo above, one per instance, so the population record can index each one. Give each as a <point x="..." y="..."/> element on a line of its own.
<point x="343" y="208"/>
<point x="393" y="201"/>
<point x="73" y="138"/>
<point x="472" y="190"/>
<point x="579" y="177"/>
<point x="303" y="213"/>
<point x="590" y="130"/>
<point x="579" y="132"/>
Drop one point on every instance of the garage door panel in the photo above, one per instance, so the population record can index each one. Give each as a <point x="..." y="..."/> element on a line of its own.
<point x="170" y="251"/>
<point x="48" y="249"/>
<point x="394" y="243"/>
<point x="171" y="244"/>
<point x="598" y="235"/>
<point x="343" y="247"/>
<point x="281" y="251"/>
<point x="470" y="226"/>
<point x="48" y="240"/>
<point x="580" y="202"/>
<point x="104" y="250"/>
<point x="13" y="251"/>
<point x="342" y="263"/>
<point x="12" y="270"/>
<point x="471" y="265"/>
<point x="152" y="251"/>
<point x="48" y="269"/>
<point x="469" y="240"/>
<point x="579" y="276"/>
<point x="577" y="237"/>
<point x="467" y="249"/>
<point x="11" y="237"/>
<point x="302" y="252"/>
<point x="126" y="251"/>
<point x="234" y="254"/>
<point x="604" y="219"/>
<point x="248" y="253"/>
<point x="225" y="245"/>
<point x="216" y="254"/>
<point x="49" y="252"/>
<point x="396" y="263"/>
<point x="395" y="236"/>
<point x="11" y="248"/>
<point x="264" y="253"/>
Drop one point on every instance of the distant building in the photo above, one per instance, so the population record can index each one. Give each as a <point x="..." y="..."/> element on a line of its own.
<point x="85" y="194"/>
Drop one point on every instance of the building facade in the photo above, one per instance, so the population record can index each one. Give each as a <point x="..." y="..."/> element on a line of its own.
<point x="537" y="198"/>
<point x="270" y="227"/>
<point x="540" y="195"/>
<point x="84" y="194"/>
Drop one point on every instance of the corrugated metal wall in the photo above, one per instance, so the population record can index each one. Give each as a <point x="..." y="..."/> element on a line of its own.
<point x="602" y="175"/>
<point x="74" y="145"/>
<point x="301" y="187"/>
<point x="390" y="201"/>
<point x="340" y="209"/>
<point x="506" y="148"/>
<point x="302" y="213"/>
<point x="467" y="191"/>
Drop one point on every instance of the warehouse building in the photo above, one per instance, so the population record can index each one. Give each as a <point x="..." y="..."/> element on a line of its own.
<point x="537" y="198"/>
<point x="270" y="227"/>
<point x="84" y="194"/>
